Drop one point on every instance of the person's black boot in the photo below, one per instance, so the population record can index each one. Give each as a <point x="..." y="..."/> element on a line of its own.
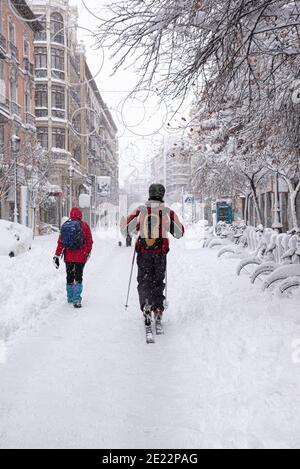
<point x="158" y="313"/>
<point x="148" y="324"/>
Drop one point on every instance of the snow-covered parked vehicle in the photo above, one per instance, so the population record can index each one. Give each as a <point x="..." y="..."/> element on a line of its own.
<point x="14" y="238"/>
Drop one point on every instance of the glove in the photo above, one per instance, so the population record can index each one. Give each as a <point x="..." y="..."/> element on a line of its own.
<point x="56" y="262"/>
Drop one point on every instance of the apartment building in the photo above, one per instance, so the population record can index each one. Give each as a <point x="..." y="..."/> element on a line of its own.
<point x="17" y="104"/>
<point x="172" y="166"/>
<point x="73" y="122"/>
<point x="102" y="144"/>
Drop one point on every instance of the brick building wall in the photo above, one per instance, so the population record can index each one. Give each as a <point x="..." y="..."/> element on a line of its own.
<point x="17" y="91"/>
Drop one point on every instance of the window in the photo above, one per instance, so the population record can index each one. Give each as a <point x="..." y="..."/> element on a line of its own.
<point x="12" y="40"/>
<point x="58" y="97"/>
<point x="42" y="136"/>
<point x="0" y="17"/>
<point x="26" y="48"/>
<point x="58" y="63"/>
<point x="41" y="35"/>
<point x="27" y="102"/>
<point x="58" y="101"/>
<point x="41" y="96"/>
<point x="2" y="81"/>
<point x="58" y="138"/>
<point x="41" y="100"/>
<point x="41" y="62"/>
<point x="11" y="32"/>
<point x="1" y="141"/>
<point x="13" y="91"/>
<point x="57" y="28"/>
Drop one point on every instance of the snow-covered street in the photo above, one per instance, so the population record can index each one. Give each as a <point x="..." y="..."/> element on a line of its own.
<point x="224" y="374"/>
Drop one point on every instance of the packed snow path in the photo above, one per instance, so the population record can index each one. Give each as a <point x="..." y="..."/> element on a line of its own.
<point x="222" y="376"/>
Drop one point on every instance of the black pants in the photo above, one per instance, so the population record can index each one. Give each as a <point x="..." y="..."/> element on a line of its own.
<point x="151" y="279"/>
<point x="74" y="272"/>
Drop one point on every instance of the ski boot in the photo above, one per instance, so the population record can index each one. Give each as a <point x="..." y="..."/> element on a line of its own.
<point x="158" y="312"/>
<point x="148" y="326"/>
<point x="77" y="295"/>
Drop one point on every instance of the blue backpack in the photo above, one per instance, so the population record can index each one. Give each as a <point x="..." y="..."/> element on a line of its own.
<point x="71" y="235"/>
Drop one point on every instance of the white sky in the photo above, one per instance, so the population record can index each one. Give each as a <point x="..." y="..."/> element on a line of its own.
<point x="146" y="125"/>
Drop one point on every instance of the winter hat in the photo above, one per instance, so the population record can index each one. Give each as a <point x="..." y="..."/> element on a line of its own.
<point x="76" y="214"/>
<point x="157" y="192"/>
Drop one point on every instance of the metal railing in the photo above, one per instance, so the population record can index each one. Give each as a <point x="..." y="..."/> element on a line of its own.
<point x="4" y="102"/>
<point x="2" y="43"/>
<point x="41" y="112"/>
<point x="30" y="119"/>
<point x="58" y="74"/>
<point x="28" y="66"/>
<point x="63" y="156"/>
<point x="15" y="108"/>
<point x="40" y="36"/>
<point x="59" y="113"/>
<point x="14" y="51"/>
<point x="41" y="72"/>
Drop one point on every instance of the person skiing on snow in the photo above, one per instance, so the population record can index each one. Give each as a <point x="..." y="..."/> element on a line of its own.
<point x="75" y="243"/>
<point x="152" y="222"/>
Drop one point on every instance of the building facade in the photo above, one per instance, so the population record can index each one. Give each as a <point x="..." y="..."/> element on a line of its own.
<point x="73" y="122"/>
<point x="172" y="166"/>
<point x="17" y="104"/>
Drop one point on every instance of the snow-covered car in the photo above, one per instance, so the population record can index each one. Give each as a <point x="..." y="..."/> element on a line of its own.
<point x="14" y="238"/>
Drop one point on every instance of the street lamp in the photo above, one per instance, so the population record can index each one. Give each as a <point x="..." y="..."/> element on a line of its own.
<point x="277" y="223"/>
<point x="15" y="141"/>
<point x="71" y="175"/>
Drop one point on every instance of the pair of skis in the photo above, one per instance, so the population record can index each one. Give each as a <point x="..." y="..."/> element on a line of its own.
<point x="159" y="330"/>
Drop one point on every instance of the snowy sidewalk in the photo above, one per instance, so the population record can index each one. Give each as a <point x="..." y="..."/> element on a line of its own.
<point x="222" y="376"/>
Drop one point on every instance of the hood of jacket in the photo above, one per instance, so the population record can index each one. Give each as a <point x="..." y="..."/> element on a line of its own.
<point x="76" y="214"/>
<point x="155" y="204"/>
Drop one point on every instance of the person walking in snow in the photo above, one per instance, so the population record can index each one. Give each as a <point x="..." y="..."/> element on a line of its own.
<point x="75" y="243"/>
<point x="152" y="222"/>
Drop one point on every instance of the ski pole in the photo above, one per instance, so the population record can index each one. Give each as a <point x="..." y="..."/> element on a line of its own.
<point x="130" y="280"/>
<point x="166" y="288"/>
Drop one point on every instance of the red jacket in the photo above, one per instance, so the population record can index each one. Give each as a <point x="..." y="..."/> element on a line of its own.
<point x="170" y="223"/>
<point x="79" y="255"/>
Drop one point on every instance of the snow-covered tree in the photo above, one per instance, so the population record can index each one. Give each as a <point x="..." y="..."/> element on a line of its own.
<point x="6" y="177"/>
<point x="36" y="163"/>
<point x="173" y="43"/>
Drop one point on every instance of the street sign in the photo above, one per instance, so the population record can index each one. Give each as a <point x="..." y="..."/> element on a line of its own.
<point x="103" y="186"/>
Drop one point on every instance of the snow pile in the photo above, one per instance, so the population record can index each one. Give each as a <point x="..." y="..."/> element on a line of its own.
<point x="29" y="284"/>
<point x="14" y="238"/>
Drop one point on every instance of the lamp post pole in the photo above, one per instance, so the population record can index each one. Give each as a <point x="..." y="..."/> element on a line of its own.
<point x="277" y="224"/>
<point x="71" y="172"/>
<point x="15" y="139"/>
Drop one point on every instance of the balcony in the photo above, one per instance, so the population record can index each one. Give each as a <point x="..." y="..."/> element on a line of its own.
<point x="59" y="113"/>
<point x="14" y="51"/>
<point x="58" y="74"/>
<point x="2" y="47"/>
<point x="28" y="67"/>
<point x="58" y="38"/>
<point x="41" y="112"/>
<point x="4" y="108"/>
<point x="41" y="73"/>
<point x="15" y="108"/>
<point x="61" y="158"/>
<point x="40" y="36"/>
<point x="30" y="119"/>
